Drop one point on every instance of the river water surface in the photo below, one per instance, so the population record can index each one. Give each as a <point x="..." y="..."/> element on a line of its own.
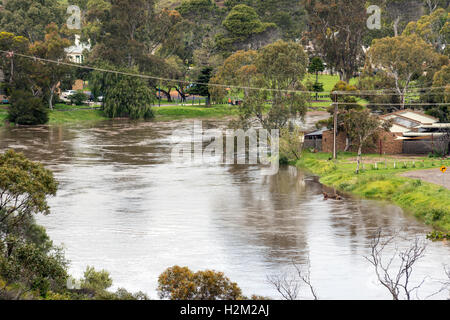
<point x="122" y="205"/>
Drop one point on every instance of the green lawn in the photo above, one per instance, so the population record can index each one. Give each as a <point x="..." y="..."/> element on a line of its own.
<point x="180" y="112"/>
<point x="428" y="202"/>
<point x="3" y="115"/>
<point x="76" y="114"/>
<point x="329" y="82"/>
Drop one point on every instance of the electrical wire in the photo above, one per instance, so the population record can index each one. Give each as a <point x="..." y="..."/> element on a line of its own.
<point x="143" y="76"/>
<point x="393" y="104"/>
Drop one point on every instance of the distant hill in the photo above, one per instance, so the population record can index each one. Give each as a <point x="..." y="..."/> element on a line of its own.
<point x="172" y="4"/>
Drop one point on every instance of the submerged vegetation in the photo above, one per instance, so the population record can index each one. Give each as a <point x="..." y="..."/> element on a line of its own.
<point x="427" y="201"/>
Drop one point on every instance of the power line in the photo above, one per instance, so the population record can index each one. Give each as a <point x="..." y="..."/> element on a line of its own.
<point x="393" y="104"/>
<point x="365" y="92"/>
<point x="154" y="77"/>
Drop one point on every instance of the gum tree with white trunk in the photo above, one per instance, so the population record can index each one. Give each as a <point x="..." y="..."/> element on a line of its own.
<point x="402" y="58"/>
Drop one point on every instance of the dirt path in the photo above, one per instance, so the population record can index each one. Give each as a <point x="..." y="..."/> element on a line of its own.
<point x="431" y="175"/>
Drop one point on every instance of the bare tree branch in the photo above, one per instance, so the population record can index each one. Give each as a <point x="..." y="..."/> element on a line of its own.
<point x="396" y="281"/>
<point x="289" y="286"/>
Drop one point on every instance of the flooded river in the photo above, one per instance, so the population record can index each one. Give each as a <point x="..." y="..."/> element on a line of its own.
<point x="122" y="205"/>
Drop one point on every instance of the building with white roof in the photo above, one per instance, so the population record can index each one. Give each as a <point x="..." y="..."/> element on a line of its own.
<point x="75" y="52"/>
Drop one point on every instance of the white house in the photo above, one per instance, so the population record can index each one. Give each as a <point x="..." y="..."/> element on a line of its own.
<point x="75" y="52"/>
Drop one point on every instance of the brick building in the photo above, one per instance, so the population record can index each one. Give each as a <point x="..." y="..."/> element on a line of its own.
<point x="386" y="143"/>
<point x="407" y="129"/>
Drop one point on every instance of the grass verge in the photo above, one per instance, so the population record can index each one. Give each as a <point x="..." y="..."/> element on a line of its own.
<point x="3" y="116"/>
<point x="180" y="112"/>
<point x="428" y="202"/>
<point x="75" y="114"/>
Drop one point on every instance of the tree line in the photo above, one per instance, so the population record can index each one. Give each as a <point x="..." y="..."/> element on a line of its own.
<point x="192" y="40"/>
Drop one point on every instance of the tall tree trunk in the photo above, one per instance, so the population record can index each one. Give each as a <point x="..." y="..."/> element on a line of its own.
<point x="169" y="97"/>
<point x="317" y="81"/>
<point x="431" y="6"/>
<point x="167" y="94"/>
<point x="347" y="144"/>
<point x="403" y="96"/>
<point x="345" y="76"/>
<point x="50" y="100"/>
<point x="181" y="93"/>
<point x="11" y="76"/>
<point x="396" y="22"/>
<point x="359" y="158"/>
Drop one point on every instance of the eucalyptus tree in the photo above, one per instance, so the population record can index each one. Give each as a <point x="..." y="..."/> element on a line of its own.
<point x="50" y="75"/>
<point x="29" y="18"/>
<point x="402" y="58"/>
<point x="271" y="79"/>
<point x="337" y="29"/>
<point x="24" y="188"/>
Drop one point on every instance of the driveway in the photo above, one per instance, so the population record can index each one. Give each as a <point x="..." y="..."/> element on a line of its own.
<point x="432" y="175"/>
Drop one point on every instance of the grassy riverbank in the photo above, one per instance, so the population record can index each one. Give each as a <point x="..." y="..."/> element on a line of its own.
<point x="76" y="116"/>
<point x="428" y="202"/>
<point x="181" y="112"/>
<point x="64" y="114"/>
<point x="3" y="116"/>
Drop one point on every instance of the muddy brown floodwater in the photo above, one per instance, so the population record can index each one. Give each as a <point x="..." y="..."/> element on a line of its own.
<point x="122" y="205"/>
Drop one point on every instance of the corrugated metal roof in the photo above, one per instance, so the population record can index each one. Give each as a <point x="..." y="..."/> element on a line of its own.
<point x="316" y="133"/>
<point x="422" y="118"/>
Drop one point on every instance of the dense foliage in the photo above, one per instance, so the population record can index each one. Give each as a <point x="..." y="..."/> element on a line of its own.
<point x="78" y="98"/>
<point x="129" y="97"/>
<point x="31" y="267"/>
<point x="280" y="67"/>
<point x="26" y="109"/>
<point x="180" y="283"/>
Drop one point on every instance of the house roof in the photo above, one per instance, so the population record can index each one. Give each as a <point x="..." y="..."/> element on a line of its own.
<point x="405" y="120"/>
<point x="316" y="133"/>
<point x="412" y="115"/>
<point x="78" y="47"/>
<point x="420" y="117"/>
<point x="435" y="126"/>
<point x="399" y="128"/>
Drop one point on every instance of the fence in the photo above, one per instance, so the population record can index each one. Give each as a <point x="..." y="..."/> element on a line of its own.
<point x="313" y="144"/>
<point x="425" y="146"/>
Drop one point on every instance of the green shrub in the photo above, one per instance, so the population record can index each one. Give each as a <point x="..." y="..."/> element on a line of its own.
<point x="130" y="98"/>
<point x="436" y="214"/>
<point x="78" y="98"/>
<point x="284" y="160"/>
<point x="438" y="236"/>
<point x="26" y="109"/>
<point x="417" y="183"/>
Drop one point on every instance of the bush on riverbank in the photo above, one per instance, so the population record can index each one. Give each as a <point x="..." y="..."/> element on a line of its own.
<point x="64" y="114"/>
<point x="427" y="201"/>
<point x="3" y="116"/>
<point x="130" y="98"/>
<point x="175" y="112"/>
<point x="31" y="267"/>
<point x="26" y="109"/>
<point x="76" y="116"/>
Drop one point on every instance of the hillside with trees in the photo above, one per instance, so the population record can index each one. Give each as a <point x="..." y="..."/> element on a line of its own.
<point x="265" y="62"/>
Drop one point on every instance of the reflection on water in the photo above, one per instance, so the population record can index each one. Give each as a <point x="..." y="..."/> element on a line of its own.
<point x="123" y="206"/>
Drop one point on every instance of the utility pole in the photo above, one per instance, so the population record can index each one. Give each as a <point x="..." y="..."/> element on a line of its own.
<point x="336" y="110"/>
